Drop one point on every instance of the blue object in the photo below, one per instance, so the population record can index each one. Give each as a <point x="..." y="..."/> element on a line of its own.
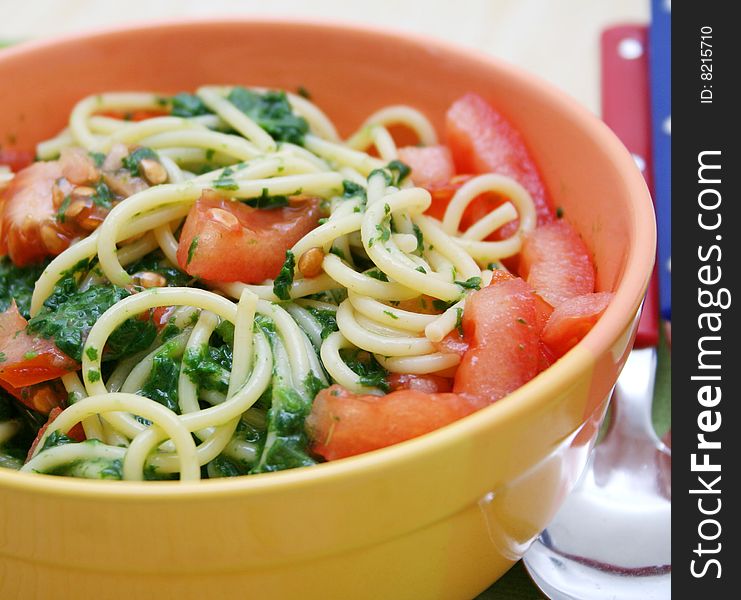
<point x="660" y="45"/>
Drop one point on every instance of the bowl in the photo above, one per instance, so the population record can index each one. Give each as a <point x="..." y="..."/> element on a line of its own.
<point x="441" y="516"/>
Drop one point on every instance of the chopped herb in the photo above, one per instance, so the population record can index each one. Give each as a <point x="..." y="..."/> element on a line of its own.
<point x="63" y="208"/>
<point x="369" y="370"/>
<point x="210" y="154"/>
<point x="18" y="283"/>
<point x="313" y="385"/>
<point x="441" y="305"/>
<point x="492" y="266"/>
<point x="420" y="239"/>
<point x="56" y="438"/>
<point x="386" y="209"/>
<point x="472" y="283"/>
<point x="337" y="252"/>
<point x="377" y="274"/>
<point x="98" y="158"/>
<point x="266" y="201"/>
<point x="350" y="189"/>
<point x="162" y="383"/>
<point x="327" y="319"/>
<point x="459" y="320"/>
<point x="187" y="106"/>
<point x="30" y="355"/>
<point x="192" y="250"/>
<point x="69" y="318"/>
<point x="400" y="170"/>
<point x="271" y="111"/>
<point x="131" y="162"/>
<point x="209" y="367"/>
<point x="521" y="321"/>
<point x="390" y="314"/>
<point x="384" y="233"/>
<point x="421" y="269"/>
<point x="155" y="262"/>
<point x="3" y="357"/>
<point x="102" y="196"/>
<point x="386" y="175"/>
<point x="559" y="213"/>
<point x="303" y="92"/>
<point x="224" y="181"/>
<point x="93" y="375"/>
<point x="323" y="220"/>
<point x="92" y="353"/>
<point x="284" y="281"/>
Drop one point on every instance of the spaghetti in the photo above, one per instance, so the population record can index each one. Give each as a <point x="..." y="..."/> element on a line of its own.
<point x="225" y="385"/>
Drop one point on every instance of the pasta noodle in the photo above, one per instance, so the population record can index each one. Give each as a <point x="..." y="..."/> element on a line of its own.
<point x="240" y="352"/>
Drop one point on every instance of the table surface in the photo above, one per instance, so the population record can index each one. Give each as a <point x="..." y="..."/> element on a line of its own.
<point x="558" y="41"/>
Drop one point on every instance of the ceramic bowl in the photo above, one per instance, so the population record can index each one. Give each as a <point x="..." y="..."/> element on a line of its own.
<point x="441" y="516"/>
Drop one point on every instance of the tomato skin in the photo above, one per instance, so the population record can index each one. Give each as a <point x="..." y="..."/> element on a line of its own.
<point x="15" y="158"/>
<point x="430" y="384"/>
<point x="556" y="263"/>
<point x="499" y="322"/>
<point x="483" y="141"/>
<point x="76" y="433"/>
<point x="343" y="424"/>
<point x="27" y="359"/>
<point x="25" y="205"/>
<point x="431" y="165"/>
<point x="572" y="320"/>
<point x="236" y="242"/>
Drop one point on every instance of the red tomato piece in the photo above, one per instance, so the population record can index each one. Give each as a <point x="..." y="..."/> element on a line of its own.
<point x="26" y="359"/>
<point x="76" y="433"/>
<point x="483" y="141"/>
<point x="431" y="165"/>
<point x="556" y="263"/>
<point x="41" y="397"/>
<point x="226" y="240"/>
<point x="16" y="159"/>
<point x="430" y="384"/>
<point x="26" y="206"/>
<point x="572" y="320"/>
<point x="344" y="424"/>
<point x="499" y="323"/>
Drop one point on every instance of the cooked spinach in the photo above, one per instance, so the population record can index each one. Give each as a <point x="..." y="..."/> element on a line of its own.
<point x="70" y="320"/>
<point x="162" y="384"/>
<point x="131" y="162"/>
<point x="284" y="281"/>
<point x="209" y="367"/>
<point x="327" y="319"/>
<point x="155" y="262"/>
<point x="266" y="201"/>
<point x="17" y="283"/>
<point x="187" y="106"/>
<point x="271" y="111"/>
<point x="369" y="370"/>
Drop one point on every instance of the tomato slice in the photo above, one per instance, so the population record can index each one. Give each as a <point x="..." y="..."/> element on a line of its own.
<point x="26" y="359"/>
<point x="226" y="240"/>
<point x="76" y="433"/>
<point x="483" y="141"/>
<point x="500" y="325"/>
<point x="431" y="165"/>
<point x="572" y="320"/>
<point x="430" y="384"/>
<point x="26" y="206"/>
<point x="344" y="424"/>
<point x="16" y="159"/>
<point x="556" y="263"/>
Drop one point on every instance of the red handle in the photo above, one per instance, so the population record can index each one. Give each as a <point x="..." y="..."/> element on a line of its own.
<point x="626" y="108"/>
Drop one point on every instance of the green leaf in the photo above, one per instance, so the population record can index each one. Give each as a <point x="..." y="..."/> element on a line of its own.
<point x="271" y="111"/>
<point x="284" y="281"/>
<point x="131" y="162"/>
<point x="187" y="106"/>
